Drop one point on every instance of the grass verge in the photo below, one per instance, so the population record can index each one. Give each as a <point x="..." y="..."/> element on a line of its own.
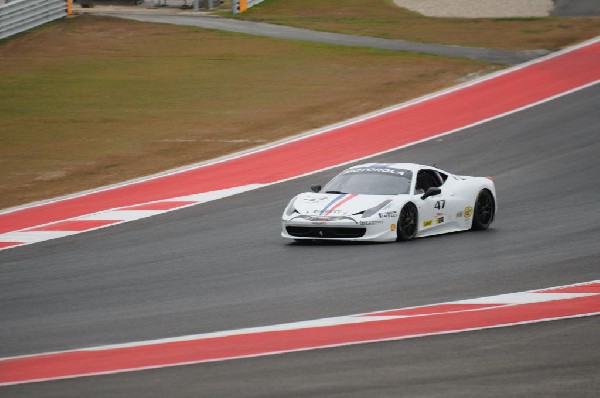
<point x="381" y="18"/>
<point x="90" y="101"/>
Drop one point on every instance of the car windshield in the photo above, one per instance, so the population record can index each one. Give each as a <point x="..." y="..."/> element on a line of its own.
<point x="371" y="181"/>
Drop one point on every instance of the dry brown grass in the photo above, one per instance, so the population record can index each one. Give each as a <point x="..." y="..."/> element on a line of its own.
<point x="90" y="101"/>
<point x="381" y="18"/>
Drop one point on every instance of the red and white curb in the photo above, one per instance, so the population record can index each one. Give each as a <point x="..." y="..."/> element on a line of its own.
<point x="390" y="129"/>
<point x="572" y="301"/>
<point x="111" y="217"/>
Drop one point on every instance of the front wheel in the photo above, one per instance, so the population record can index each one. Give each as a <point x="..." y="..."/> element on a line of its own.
<point x="483" y="214"/>
<point x="407" y="222"/>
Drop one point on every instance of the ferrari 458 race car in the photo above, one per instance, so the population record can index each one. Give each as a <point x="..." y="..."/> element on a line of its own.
<point x="388" y="202"/>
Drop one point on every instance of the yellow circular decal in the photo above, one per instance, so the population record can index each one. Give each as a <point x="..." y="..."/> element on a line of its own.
<point x="393" y="227"/>
<point x="468" y="211"/>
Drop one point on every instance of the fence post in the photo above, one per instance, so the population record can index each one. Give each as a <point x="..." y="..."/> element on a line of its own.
<point x="69" y="7"/>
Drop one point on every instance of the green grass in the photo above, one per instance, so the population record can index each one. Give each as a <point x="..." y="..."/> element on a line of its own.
<point x="89" y="101"/>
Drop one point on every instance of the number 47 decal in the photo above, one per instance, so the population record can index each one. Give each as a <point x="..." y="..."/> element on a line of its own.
<point x="440" y="204"/>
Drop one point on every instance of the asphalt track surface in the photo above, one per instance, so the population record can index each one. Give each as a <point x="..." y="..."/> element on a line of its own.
<point x="222" y="265"/>
<point x="573" y="8"/>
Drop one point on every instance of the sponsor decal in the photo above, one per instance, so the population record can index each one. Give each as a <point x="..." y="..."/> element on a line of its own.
<point x="385" y="170"/>
<point x="393" y="227"/>
<point x="459" y="214"/>
<point x="313" y="199"/>
<point x="387" y="214"/>
<point x="371" y="222"/>
<point x="468" y="212"/>
<point x="332" y="212"/>
<point x="427" y="223"/>
<point x="319" y="219"/>
<point x="439" y="220"/>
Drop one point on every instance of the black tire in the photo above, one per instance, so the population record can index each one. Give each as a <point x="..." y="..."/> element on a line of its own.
<point x="407" y="223"/>
<point x="484" y="212"/>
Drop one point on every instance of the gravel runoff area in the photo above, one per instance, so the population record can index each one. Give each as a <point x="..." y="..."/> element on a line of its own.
<point x="479" y="8"/>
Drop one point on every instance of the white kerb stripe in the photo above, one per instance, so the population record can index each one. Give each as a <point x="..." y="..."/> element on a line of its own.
<point x="34" y="236"/>
<point x="523" y="298"/>
<point x="219" y="194"/>
<point x="121" y="215"/>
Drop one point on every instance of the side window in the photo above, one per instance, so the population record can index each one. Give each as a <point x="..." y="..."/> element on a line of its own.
<point x="427" y="179"/>
<point x="443" y="176"/>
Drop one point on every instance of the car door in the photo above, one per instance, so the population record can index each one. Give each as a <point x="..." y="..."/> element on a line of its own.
<point x="459" y="203"/>
<point x="433" y="210"/>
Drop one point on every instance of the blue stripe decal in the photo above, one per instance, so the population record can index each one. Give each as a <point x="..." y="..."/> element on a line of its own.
<point x="337" y="198"/>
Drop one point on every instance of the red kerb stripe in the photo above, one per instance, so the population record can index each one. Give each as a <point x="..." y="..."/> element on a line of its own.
<point x="9" y="244"/>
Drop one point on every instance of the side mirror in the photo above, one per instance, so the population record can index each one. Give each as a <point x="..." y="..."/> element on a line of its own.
<point x="315" y="188"/>
<point x="431" y="191"/>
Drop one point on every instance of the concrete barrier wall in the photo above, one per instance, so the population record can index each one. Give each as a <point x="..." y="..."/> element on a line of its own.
<point x="20" y="15"/>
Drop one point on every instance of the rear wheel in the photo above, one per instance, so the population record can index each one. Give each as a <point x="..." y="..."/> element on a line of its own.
<point x="483" y="215"/>
<point x="407" y="222"/>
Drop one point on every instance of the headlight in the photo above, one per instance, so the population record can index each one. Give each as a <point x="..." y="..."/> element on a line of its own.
<point x="371" y="212"/>
<point x="290" y="209"/>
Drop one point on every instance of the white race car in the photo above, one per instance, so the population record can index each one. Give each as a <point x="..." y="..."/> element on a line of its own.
<point x="388" y="202"/>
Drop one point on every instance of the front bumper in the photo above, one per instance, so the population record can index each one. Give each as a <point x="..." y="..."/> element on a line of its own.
<point x="338" y="228"/>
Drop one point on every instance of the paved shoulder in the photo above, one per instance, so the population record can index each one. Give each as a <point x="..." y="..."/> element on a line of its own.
<point x="570" y="8"/>
<point x="291" y="33"/>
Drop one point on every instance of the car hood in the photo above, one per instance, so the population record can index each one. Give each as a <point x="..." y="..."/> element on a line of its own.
<point x="336" y="204"/>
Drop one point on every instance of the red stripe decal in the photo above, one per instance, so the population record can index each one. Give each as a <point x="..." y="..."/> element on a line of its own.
<point x="341" y="202"/>
<point x="339" y="197"/>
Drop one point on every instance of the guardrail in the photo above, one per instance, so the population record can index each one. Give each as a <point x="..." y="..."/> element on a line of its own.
<point x="238" y="6"/>
<point x="17" y="16"/>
